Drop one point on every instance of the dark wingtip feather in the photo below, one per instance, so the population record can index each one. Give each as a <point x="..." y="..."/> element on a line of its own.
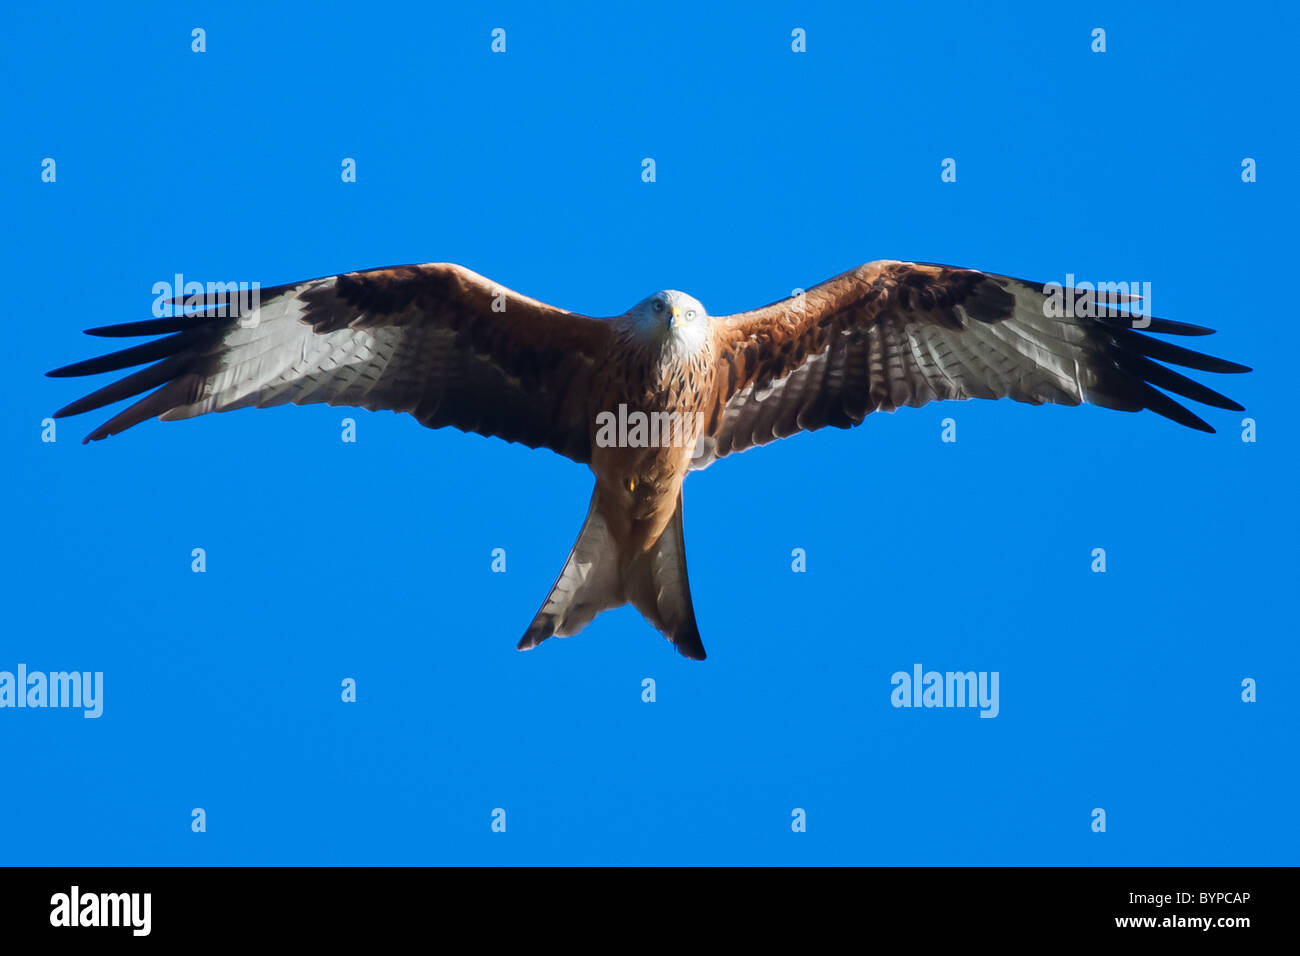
<point x="67" y="371"/>
<point x="1125" y="320"/>
<point x="692" y="651"/>
<point x="146" y="378"/>
<point x="1133" y="341"/>
<point x="1170" y="327"/>
<point x="1160" y="403"/>
<point x="178" y="323"/>
<point x="1171" y="381"/>
<point x="125" y="358"/>
<point x="177" y="391"/>
<point x="1137" y="378"/>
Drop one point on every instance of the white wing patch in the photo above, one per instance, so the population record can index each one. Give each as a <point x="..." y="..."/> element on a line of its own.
<point x="281" y="360"/>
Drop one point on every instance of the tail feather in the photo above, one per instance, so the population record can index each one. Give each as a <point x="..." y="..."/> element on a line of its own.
<point x="595" y="578"/>
<point x="658" y="587"/>
<point x="588" y="584"/>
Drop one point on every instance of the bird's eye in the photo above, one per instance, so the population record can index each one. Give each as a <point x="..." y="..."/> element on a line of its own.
<point x="659" y="305"/>
<point x="690" y="313"/>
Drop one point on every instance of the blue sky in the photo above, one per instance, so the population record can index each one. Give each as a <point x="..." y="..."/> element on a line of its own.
<point x="775" y="170"/>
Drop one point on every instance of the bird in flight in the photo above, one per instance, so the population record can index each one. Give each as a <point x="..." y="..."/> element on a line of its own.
<point x="646" y="397"/>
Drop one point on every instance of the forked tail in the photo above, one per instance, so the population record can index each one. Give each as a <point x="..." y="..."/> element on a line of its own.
<point x="596" y="577"/>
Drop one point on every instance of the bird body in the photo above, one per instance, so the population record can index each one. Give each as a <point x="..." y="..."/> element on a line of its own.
<point x="647" y="397"/>
<point x="645" y="379"/>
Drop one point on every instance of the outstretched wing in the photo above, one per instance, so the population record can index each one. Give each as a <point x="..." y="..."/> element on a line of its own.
<point x="435" y="340"/>
<point x="889" y="334"/>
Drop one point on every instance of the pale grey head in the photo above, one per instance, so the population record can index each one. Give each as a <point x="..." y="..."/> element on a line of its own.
<point x="672" y="319"/>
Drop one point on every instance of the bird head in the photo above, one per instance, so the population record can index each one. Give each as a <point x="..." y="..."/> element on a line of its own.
<point x="674" y="319"/>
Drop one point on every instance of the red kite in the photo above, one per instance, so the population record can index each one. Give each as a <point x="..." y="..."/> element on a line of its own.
<point x="453" y="348"/>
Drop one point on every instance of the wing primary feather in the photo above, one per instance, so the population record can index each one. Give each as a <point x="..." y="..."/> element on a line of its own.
<point x="179" y="391"/>
<point x="180" y="323"/>
<point x="143" y="380"/>
<point x="1172" y="381"/>
<point x="1174" y="354"/>
<point x="1122" y="320"/>
<point x="1160" y="403"/>
<point x="136" y="355"/>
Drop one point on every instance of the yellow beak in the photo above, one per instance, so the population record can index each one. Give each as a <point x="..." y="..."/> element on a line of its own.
<point x="677" y="316"/>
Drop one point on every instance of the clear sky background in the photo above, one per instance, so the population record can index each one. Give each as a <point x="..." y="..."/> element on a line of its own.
<point x="775" y="170"/>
